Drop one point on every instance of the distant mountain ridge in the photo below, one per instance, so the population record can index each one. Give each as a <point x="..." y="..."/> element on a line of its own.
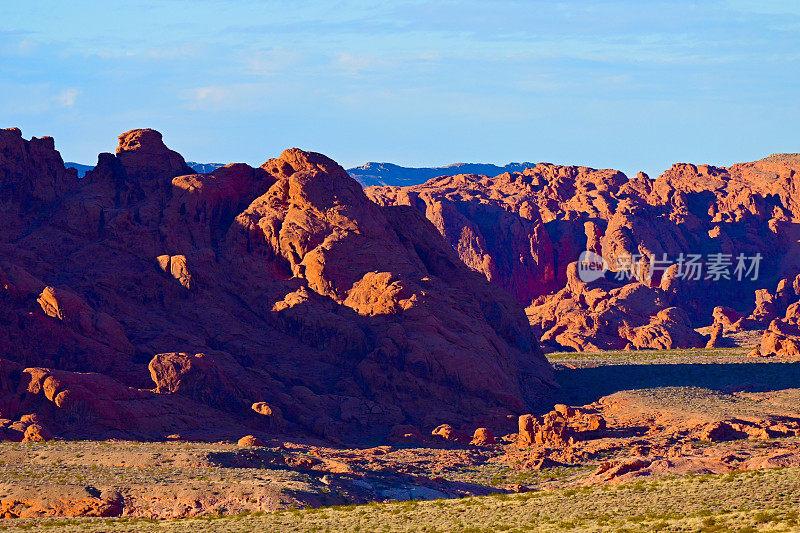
<point x="201" y="168"/>
<point x="391" y="174"/>
<point x="204" y="168"/>
<point x="82" y="169"/>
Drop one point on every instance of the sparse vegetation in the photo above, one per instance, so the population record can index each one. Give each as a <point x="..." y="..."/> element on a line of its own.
<point x="763" y="501"/>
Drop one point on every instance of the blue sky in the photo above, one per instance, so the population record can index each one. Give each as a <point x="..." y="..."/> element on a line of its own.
<point x="623" y="84"/>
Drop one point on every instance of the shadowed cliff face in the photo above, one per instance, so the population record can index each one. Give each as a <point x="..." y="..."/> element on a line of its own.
<point x="525" y="231"/>
<point x="190" y="297"/>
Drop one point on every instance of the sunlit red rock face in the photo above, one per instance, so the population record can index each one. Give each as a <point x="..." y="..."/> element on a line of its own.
<point x="525" y="231"/>
<point x="781" y="311"/>
<point x="144" y="300"/>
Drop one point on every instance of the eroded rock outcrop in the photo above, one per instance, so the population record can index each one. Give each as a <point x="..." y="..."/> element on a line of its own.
<point x="782" y="336"/>
<point x="560" y="427"/>
<point x="526" y="230"/>
<point x="150" y="292"/>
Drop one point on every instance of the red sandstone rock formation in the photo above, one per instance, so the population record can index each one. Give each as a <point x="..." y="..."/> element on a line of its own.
<point x="560" y="427"/>
<point x="483" y="437"/>
<point x="497" y="225"/>
<point x="782" y="337"/>
<point x="145" y="300"/>
<point x="525" y="231"/>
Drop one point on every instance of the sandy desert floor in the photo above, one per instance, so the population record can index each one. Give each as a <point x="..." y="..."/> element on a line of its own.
<point x="696" y="440"/>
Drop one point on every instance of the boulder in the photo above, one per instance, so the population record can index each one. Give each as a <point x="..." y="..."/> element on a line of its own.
<point x="725" y="316"/>
<point x="249" y="441"/>
<point x="262" y="408"/>
<point x="613" y="469"/>
<point x="780" y="340"/>
<point x="483" y="437"/>
<point x="36" y="433"/>
<point x="448" y="433"/>
<point x="721" y="431"/>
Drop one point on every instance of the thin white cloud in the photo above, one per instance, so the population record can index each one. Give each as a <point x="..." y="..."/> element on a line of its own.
<point x="183" y="51"/>
<point x="35" y="98"/>
<point x="67" y="97"/>
<point x="355" y="65"/>
<point x="19" y="48"/>
<point x="236" y="97"/>
<point x="539" y="82"/>
<point x="768" y="7"/>
<point x="270" y="62"/>
<point x="26" y="47"/>
<point x="211" y="95"/>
